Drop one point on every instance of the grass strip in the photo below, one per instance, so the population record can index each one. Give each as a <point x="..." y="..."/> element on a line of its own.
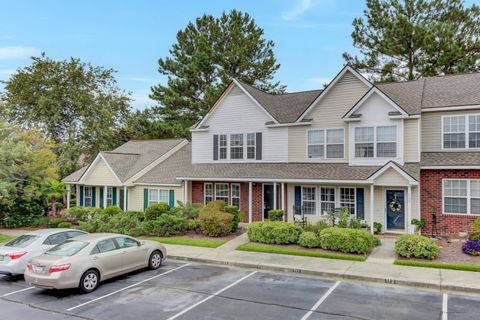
<point x="4" y="238"/>
<point x="428" y="264"/>
<point x="254" y="247"/>
<point x="207" y="243"/>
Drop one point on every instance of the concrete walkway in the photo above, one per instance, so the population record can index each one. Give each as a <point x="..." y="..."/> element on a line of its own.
<point x="384" y="253"/>
<point x="379" y="268"/>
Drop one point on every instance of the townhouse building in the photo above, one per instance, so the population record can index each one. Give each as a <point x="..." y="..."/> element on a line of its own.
<point x="389" y="153"/>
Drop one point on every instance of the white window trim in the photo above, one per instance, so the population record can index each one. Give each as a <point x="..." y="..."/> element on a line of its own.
<point x="325" y="144"/>
<point x="85" y="196"/>
<point x="354" y="199"/>
<point x="375" y="142"/>
<point x="226" y="147"/>
<point x="204" y="193"/>
<point x="466" y="133"/>
<point x="111" y="196"/>
<point x="239" y="193"/>
<point x="320" y="198"/>
<point x="316" y="201"/>
<point x="159" y="199"/>
<point x="469" y="198"/>
<point x="254" y="146"/>
<point x="244" y="147"/>
<point x="228" y="192"/>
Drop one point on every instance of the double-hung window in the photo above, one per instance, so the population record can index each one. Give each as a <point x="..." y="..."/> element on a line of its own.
<point x="88" y="196"/>
<point x="325" y="143"/>
<point x="347" y="199"/>
<point x="309" y="200"/>
<point x="208" y="192"/>
<point x="364" y="142"/>
<point x="157" y="196"/>
<point x="461" y="196"/>
<point x="327" y="199"/>
<point x="109" y="196"/>
<point x="461" y="132"/>
<point x="222" y="146"/>
<point x="236" y="146"/>
<point x="376" y="142"/>
<point x="221" y="192"/>
<point x="251" y="145"/>
<point x="235" y="194"/>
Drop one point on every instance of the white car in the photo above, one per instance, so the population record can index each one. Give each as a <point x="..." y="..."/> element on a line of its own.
<point x="15" y="254"/>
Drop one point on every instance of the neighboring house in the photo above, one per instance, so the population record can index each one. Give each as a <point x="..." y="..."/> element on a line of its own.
<point x="388" y="152"/>
<point x="114" y="177"/>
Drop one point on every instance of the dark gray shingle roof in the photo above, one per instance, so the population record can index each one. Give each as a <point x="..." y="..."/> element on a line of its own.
<point x="73" y="177"/>
<point x="450" y="159"/>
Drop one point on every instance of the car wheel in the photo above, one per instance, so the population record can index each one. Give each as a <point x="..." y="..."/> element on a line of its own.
<point x="155" y="260"/>
<point x="89" y="281"/>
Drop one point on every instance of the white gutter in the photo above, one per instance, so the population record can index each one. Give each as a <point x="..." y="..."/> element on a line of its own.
<point x="277" y="180"/>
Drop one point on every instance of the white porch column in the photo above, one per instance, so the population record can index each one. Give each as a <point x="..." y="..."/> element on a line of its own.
<point x="409" y="208"/>
<point x="68" y="196"/>
<point x="105" y="189"/>
<point x="125" y="198"/>
<point x="282" y="205"/>
<point x="185" y="191"/>
<point x="372" y="190"/>
<point x="275" y="207"/>
<point x="250" y="213"/>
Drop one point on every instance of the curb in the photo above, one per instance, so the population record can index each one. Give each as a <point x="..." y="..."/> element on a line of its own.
<point x="333" y="275"/>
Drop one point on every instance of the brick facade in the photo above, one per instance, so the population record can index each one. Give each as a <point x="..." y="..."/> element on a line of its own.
<point x="431" y="203"/>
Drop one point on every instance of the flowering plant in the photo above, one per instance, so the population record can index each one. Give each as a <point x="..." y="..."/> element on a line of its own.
<point x="471" y="247"/>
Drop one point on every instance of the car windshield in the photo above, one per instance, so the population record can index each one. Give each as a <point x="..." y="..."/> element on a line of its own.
<point x="67" y="248"/>
<point x="22" y="241"/>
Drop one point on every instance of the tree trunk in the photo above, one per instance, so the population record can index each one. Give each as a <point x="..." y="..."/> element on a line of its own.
<point x="54" y="207"/>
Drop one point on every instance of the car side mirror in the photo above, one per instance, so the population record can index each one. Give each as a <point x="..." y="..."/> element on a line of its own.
<point x="141" y="243"/>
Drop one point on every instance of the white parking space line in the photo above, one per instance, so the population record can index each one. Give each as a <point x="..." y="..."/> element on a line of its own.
<point x="18" y="291"/>
<point x="320" y="301"/>
<point x="445" y="307"/>
<point x="128" y="287"/>
<point x="211" y="296"/>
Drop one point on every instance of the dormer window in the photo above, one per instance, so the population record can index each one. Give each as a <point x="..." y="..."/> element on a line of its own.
<point x="376" y="142"/>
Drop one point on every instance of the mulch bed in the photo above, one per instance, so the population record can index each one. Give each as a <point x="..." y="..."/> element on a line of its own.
<point x="451" y="252"/>
<point x="200" y="235"/>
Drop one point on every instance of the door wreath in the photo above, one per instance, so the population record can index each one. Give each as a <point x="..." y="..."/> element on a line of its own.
<point x="395" y="205"/>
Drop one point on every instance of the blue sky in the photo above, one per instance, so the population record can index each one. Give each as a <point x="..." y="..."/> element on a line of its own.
<point x="130" y="36"/>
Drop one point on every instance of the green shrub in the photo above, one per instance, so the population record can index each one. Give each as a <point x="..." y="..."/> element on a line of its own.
<point x="217" y="205"/>
<point x="241" y="216"/>
<point x="193" y="225"/>
<point x="415" y="246"/>
<point x="275" y="215"/>
<point x="53" y="223"/>
<point x="347" y="240"/>
<point x="215" y="223"/>
<point x="64" y="224"/>
<point x="98" y="223"/>
<point x="39" y="221"/>
<point x="475" y="234"/>
<point x="377" y="227"/>
<point x="355" y="224"/>
<point x="188" y="210"/>
<point x="20" y="212"/>
<point x="317" y="227"/>
<point x="309" y="239"/>
<point x="344" y="218"/>
<point x="78" y="214"/>
<point x="276" y="232"/>
<point x="156" y="210"/>
<point x="233" y="210"/>
<point x="112" y="210"/>
<point x="166" y="225"/>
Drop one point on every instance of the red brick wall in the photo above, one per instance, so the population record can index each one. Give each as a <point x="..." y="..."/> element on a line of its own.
<point x="431" y="202"/>
<point x="257" y="207"/>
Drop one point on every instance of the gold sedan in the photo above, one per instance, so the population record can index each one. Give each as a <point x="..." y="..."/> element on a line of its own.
<point x="86" y="260"/>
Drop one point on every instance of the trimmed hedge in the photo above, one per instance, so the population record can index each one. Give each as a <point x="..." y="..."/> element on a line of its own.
<point x="275" y="232"/>
<point x="415" y="246"/>
<point x="309" y="239"/>
<point x="64" y="224"/>
<point x="112" y="210"/>
<point x="166" y="225"/>
<point x="156" y="210"/>
<point x="347" y="240"/>
<point x="275" y="215"/>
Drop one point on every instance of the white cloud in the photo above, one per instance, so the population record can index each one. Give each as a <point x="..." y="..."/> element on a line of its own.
<point x="17" y="52"/>
<point x="300" y="7"/>
<point x="142" y="79"/>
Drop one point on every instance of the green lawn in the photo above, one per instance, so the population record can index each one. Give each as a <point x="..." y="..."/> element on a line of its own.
<point x="4" y="238"/>
<point x="255" y="247"/>
<point x="208" y="243"/>
<point x="429" y="264"/>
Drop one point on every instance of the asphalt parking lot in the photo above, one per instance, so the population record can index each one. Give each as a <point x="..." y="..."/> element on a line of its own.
<point x="196" y="291"/>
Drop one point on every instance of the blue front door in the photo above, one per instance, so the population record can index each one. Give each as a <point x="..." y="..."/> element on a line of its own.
<point x="395" y="209"/>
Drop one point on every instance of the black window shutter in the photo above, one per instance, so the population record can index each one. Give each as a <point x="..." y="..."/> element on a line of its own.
<point x="215" y="147"/>
<point x="360" y="204"/>
<point x="298" y="200"/>
<point x="258" y="146"/>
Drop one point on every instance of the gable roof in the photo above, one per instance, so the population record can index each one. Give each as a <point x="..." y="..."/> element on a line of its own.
<point x="130" y="158"/>
<point x="433" y="92"/>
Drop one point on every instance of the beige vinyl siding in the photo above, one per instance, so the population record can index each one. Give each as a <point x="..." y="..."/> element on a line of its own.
<point x="391" y="177"/>
<point x="432" y="128"/>
<point x="135" y="195"/>
<point x="100" y="175"/>
<point x="410" y="141"/>
<point x="327" y="113"/>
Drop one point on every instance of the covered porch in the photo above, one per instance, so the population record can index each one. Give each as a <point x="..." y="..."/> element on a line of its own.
<point x="97" y="196"/>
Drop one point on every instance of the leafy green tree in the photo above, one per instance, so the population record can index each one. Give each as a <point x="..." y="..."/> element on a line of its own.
<point x="207" y="55"/>
<point x="77" y="105"/>
<point x="53" y="190"/>
<point x="407" y="39"/>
